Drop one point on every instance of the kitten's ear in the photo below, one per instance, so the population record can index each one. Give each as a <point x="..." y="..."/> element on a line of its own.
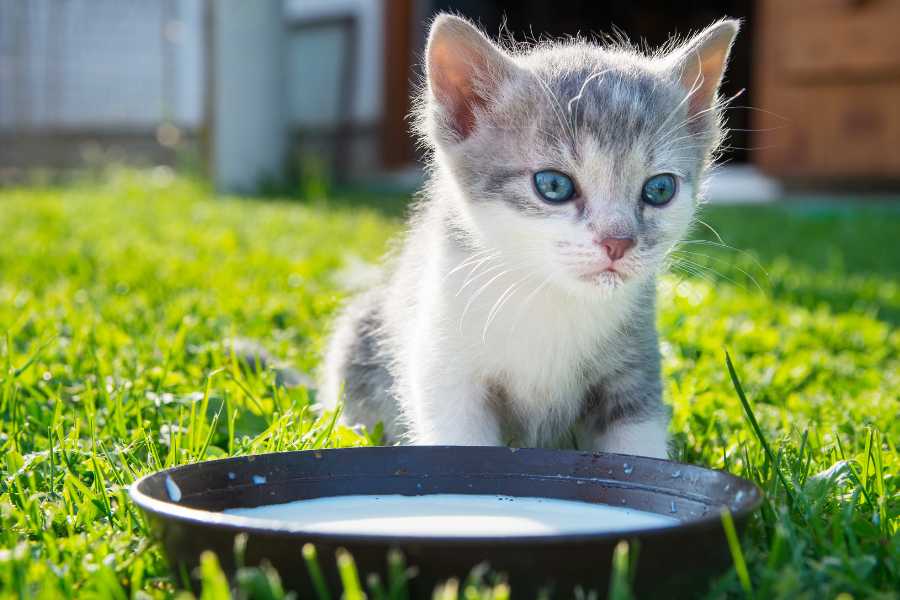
<point x="464" y="70"/>
<point x="700" y="63"/>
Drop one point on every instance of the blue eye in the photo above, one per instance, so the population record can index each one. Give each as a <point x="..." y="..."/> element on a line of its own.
<point x="659" y="189"/>
<point x="553" y="186"/>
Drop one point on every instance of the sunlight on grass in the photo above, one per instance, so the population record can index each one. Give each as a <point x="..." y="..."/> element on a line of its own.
<point x="116" y="297"/>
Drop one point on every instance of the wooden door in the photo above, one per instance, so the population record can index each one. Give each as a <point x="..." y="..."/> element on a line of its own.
<point x="827" y="88"/>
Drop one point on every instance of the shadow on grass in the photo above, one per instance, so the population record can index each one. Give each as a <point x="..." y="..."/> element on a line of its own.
<point x="841" y="254"/>
<point x="856" y="238"/>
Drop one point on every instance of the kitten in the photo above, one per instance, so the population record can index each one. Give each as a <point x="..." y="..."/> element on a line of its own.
<point x="520" y="308"/>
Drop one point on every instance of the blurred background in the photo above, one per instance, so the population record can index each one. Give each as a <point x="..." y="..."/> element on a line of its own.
<point x="272" y="91"/>
<point x="176" y="174"/>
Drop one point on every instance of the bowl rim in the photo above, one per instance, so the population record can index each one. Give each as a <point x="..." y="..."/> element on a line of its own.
<point x="169" y="510"/>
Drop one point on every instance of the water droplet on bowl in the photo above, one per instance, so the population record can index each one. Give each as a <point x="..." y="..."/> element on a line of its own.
<point x="231" y="476"/>
<point x="673" y="509"/>
<point x="627" y="468"/>
<point x="172" y="489"/>
<point x="676" y="474"/>
<point x="259" y="479"/>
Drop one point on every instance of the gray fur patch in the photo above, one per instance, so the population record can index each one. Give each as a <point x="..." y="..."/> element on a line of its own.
<point x="358" y="369"/>
<point x="631" y="388"/>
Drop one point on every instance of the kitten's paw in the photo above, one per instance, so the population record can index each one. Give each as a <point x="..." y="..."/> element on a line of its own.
<point x="457" y="438"/>
<point x="645" y="438"/>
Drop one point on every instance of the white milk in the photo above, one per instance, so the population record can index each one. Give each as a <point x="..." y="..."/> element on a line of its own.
<point x="457" y="515"/>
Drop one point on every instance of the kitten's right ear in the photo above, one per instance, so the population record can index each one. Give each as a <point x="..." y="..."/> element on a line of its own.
<point x="464" y="69"/>
<point x="700" y="63"/>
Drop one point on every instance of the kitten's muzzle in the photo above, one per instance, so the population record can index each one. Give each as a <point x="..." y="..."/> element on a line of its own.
<point x="615" y="247"/>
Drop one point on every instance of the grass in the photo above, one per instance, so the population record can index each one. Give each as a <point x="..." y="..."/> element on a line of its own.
<point x="115" y="298"/>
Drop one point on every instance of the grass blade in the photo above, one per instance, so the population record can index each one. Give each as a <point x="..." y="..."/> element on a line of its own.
<point x="349" y="576"/>
<point x="620" y="581"/>
<point x="748" y="411"/>
<point x="737" y="555"/>
<point x="315" y="572"/>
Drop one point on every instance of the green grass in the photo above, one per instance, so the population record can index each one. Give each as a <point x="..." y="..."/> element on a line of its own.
<point x="115" y="298"/>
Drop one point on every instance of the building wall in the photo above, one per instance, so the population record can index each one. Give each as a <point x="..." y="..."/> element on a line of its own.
<point x="335" y="77"/>
<point x="107" y="63"/>
<point x="100" y="64"/>
<point x="105" y="71"/>
<point x="315" y="56"/>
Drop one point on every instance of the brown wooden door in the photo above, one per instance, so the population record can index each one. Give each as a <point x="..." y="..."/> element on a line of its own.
<point x="397" y="149"/>
<point x="827" y="88"/>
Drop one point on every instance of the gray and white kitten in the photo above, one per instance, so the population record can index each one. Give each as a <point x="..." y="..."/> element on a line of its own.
<point x="520" y="308"/>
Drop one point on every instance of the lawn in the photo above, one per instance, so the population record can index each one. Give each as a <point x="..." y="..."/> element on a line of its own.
<point x="116" y="296"/>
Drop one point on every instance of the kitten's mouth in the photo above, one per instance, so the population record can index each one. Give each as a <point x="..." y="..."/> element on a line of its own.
<point x="607" y="274"/>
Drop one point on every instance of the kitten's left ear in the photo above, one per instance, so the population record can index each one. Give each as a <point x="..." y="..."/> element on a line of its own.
<point x="700" y="63"/>
<point x="464" y="70"/>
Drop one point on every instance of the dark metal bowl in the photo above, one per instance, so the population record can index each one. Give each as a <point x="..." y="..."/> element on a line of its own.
<point x="677" y="560"/>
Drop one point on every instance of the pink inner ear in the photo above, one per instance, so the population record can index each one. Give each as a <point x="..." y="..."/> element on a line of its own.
<point x="703" y="92"/>
<point x="464" y="119"/>
<point x="704" y="79"/>
<point x="703" y="64"/>
<point x="457" y="67"/>
<point x="453" y="86"/>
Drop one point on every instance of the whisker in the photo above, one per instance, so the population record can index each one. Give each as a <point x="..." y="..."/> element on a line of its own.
<point x="501" y="301"/>
<point x="472" y="258"/>
<point x="479" y="274"/>
<point x="719" y="105"/>
<point x="746" y="274"/>
<point x="693" y="270"/>
<point x="715" y="272"/>
<point x="557" y="109"/>
<point x="728" y="247"/>
<point x="481" y="290"/>
<point x="694" y="88"/>
<point x="577" y="100"/>
<point x="762" y="110"/>
<point x="712" y="229"/>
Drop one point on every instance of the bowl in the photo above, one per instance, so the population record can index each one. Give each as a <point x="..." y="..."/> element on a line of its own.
<point x="184" y="507"/>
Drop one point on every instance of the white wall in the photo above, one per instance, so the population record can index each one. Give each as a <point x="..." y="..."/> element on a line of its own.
<point x="100" y="63"/>
<point x="249" y="130"/>
<point x="135" y="63"/>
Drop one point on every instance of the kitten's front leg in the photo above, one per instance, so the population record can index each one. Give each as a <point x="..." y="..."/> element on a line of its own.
<point x="453" y="412"/>
<point x="643" y="438"/>
<point x="626" y="417"/>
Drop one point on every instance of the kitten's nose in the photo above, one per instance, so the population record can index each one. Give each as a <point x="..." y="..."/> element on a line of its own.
<point x="616" y="247"/>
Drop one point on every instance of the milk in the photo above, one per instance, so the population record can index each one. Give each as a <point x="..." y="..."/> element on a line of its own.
<point x="454" y="515"/>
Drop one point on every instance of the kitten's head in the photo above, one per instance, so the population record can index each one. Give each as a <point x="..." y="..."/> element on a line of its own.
<point x="580" y="163"/>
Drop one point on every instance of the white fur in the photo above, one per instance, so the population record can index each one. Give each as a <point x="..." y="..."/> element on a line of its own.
<point x="513" y="315"/>
<point x="646" y="438"/>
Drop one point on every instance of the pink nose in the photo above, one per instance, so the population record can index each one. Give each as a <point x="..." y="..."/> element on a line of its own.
<point x="616" y="247"/>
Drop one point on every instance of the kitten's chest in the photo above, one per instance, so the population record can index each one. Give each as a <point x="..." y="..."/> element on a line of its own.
<point x="538" y="351"/>
<point x="547" y="351"/>
<point x="546" y="359"/>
